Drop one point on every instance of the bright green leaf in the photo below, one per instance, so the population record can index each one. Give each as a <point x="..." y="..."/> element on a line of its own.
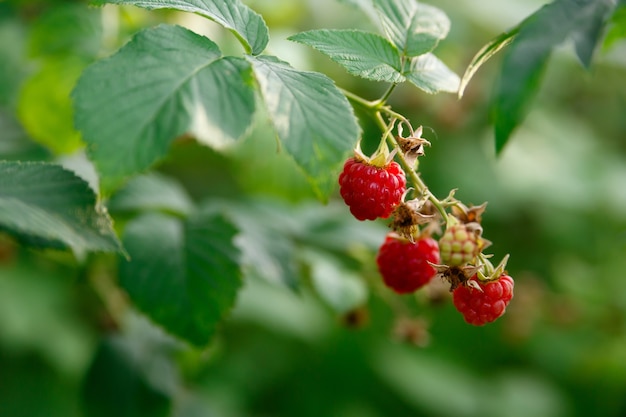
<point x="428" y="73"/>
<point x="163" y="83"/>
<point x="415" y="28"/>
<point x="617" y="26"/>
<point x="312" y="118"/>
<point x="361" y="53"/>
<point x="484" y="54"/>
<point x="152" y="192"/>
<point x="45" y="108"/>
<point x="246" y="24"/>
<point x="183" y="275"/>
<point x="45" y="202"/>
<point x="526" y="58"/>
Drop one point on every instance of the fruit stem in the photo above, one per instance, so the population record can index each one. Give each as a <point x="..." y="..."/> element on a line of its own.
<point x="381" y="101"/>
<point x="360" y="100"/>
<point x="419" y="185"/>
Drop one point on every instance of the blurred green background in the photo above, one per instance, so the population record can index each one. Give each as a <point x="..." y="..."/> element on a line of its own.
<point x="70" y="345"/>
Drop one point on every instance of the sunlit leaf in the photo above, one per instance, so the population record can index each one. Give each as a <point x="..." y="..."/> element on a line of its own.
<point x="45" y="108"/>
<point x="166" y="81"/>
<point x="361" y="53"/>
<point x="312" y="118"/>
<point x="429" y="74"/>
<point x="246" y="24"/>
<point x="484" y="54"/>
<point x="415" y="28"/>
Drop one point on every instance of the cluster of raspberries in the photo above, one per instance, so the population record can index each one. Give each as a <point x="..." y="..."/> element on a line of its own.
<point x="409" y="258"/>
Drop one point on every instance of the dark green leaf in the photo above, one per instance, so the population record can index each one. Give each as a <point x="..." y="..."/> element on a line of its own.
<point x="45" y="108"/>
<point x="152" y="192"/>
<point x="44" y="201"/>
<point x="484" y="54"/>
<point x="527" y="56"/>
<point x="116" y="386"/>
<point x="183" y="275"/>
<point x="247" y="25"/>
<point x="362" y="53"/>
<point x="68" y="30"/>
<point x="415" y="28"/>
<point x="313" y="119"/>
<point x="163" y="83"/>
<point x="428" y="73"/>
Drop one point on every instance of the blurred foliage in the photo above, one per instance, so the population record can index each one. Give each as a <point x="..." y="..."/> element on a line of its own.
<point x="70" y="345"/>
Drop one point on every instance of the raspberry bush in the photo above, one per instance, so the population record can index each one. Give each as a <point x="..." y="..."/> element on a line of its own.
<point x="160" y="170"/>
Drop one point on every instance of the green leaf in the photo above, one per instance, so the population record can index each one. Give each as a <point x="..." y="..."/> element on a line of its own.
<point x="246" y="24"/>
<point x="588" y="32"/>
<point x="617" y="26"/>
<point x="14" y="63"/>
<point x="183" y="275"/>
<point x="340" y="288"/>
<point x="484" y="54"/>
<point x="45" y="108"/>
<point x="431" y="75"/>
<point x="361" y="53"/>
<point x="115" y="385"/>
<point x="526" y="58"/>
<point x="67" y="30"/>
<point x="312" y="118"/>
<point x="166" y="81"/>
<point x="44" y="201"/>
<point x="415" y="28"/>
<point x="152" y="192"/>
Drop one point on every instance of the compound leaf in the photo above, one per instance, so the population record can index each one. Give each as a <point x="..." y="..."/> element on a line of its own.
<point x="415" y="28"/>
<point x="166" y="81"/>
<point x="361" y="53"/>
<point x="312" y="118"/>
<point x="429" y="74"/>
<point x="246" y="24"/>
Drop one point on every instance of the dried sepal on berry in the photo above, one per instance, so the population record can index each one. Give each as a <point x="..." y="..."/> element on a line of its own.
<point x="407" y="218"/>
<point x="466" y="215"/>
<point x="411" y="146"/>
<point x="456" y="276"/>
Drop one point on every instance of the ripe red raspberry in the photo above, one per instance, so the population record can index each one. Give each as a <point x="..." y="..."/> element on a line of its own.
<point x="482" y="307"/>
<point x="404" y="265"/>
<point x="458" y="245"/>
<point x="371" y="191"/>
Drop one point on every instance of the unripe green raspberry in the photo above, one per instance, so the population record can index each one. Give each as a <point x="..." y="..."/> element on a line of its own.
<point x="458" y="245"/>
